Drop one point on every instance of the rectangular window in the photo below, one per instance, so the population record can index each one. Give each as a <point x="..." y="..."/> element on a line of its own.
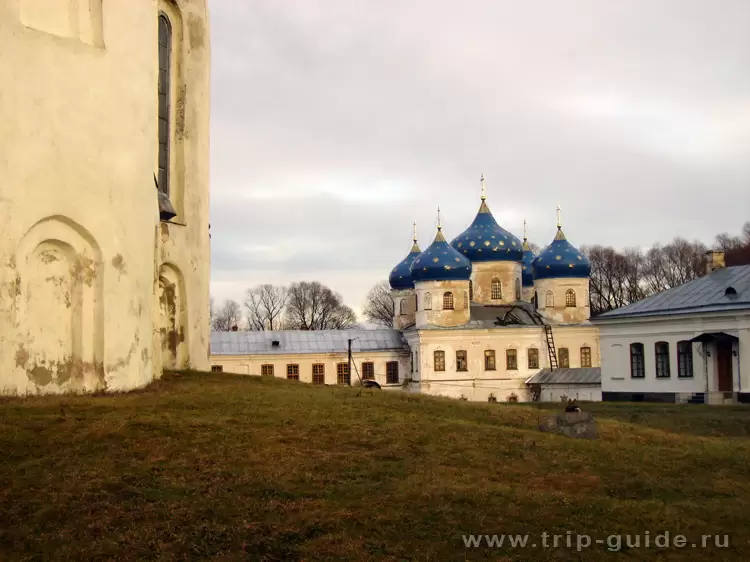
<point x="266" y="370"/>
<point x="563" y="358"/>
<point x="661" y="349"/>
<point x="342" y="373"/>
<point x="217" y="368"/>
<point x="585" y="357"/>
<point x="292" y="372"/>
<point x="391" y="372"/>
<point x="368" y="370"/>
<point x="439" y="360"/>
<point x="462" y="364"/>
<point x="684" y="359"/>
<point x="318" y="373"/>
<point x="511" y="359"/>
<point x="489" y="360"/>
<point x="637" y="367"/>
<point x="533" y="358"/>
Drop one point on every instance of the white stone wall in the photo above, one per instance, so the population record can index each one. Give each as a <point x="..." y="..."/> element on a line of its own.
<point x="617" y="335"/>
<point x="404" y="307"/>
<point x="508" y="273"/>
<point x="434" y="314"/>
<point x="251" y="364"/>
<point x="82" y="253"/>
<point x="560" y="313"/>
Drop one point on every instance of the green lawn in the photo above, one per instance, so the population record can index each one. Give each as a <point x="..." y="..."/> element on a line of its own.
<point x="228" y="467"/>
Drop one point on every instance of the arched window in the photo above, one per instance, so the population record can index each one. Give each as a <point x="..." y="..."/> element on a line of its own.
<point x="518" y="289"/>
<point x="448" y="301"/>
<point x="471" y="290"/>
<point x="428" y="301"/>
<point x="466" y="299"/>
<point x="165" y="84"/>
<point x="497" y="290"/>
<point x="570" y="297"/>
<point x="550" y="300"/>
<point x="402" y="306"/>
<point x="661" y="349"/>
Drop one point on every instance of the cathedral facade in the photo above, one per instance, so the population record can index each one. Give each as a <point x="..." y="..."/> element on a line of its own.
<point x="482" y="315"/>
<point x="104" y="258"/>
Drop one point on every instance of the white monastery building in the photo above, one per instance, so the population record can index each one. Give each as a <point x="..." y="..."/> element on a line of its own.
<point x="480" y="318"/>
<point x="688" y="344"/>
<point x="104" y="257"/>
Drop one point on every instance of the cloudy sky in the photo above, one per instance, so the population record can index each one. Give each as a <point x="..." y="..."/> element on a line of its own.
<point x="336" y="123"/>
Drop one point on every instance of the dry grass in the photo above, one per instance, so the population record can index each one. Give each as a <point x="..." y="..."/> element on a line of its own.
<point x="225" y="467"/>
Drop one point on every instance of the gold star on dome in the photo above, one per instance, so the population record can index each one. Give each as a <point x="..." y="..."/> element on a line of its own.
<point x="524" y="268"/>
<point x="460" y="244"/>
<point x="547" y="267"/>
<point x="502" y="243"/>
<point x="447" y="268"/>
<point x="436" y="260"/>
<point x="571" y="266"/>
<point x="458" y="260"/>
<point x="579" y="257"/>
<point x="472" y="243"/>
<point x="558" y="257"/>
<point x="486" y="242"/>
<point x="513" y="243"/>
<point x="494" y="249"/>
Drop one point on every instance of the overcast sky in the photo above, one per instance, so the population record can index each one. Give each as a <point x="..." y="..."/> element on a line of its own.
<point x="335" y="124"/>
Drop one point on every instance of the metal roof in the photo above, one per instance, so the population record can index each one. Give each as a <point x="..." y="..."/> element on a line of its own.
<point x="587" y="375"/>
<point x="705" y="294"/>
<point x="517" y="315"/>
<point x="301" y="341"/>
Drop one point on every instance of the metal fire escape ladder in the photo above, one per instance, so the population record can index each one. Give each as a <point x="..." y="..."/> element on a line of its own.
<point x="551" y="347"/>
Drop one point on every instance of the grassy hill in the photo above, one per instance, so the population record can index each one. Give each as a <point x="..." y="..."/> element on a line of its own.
<point x="228" y="467"/>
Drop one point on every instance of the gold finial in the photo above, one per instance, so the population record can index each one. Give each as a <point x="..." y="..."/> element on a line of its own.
<point x="484" y="195"/>
<point x="559" y="222"/>
<point x="415" y="232"/>
<point x="524" y="230"/>
<point x="440" y="226"/>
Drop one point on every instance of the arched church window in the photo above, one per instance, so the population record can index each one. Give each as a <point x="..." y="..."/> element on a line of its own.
<point x="402" y="306"/>
<point x="550" y="300"/>
<point x="165" y="84"/>
<point x="497" y="289"/>
<point x="448" y="301"/>
<point x="570" y="297"/>
<point x="466" y="299"/>
<point x="428" y="301"/>
<point x="518" y="289"/>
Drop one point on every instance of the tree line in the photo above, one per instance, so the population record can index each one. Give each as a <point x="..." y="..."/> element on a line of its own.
<point x="306" y="305"/>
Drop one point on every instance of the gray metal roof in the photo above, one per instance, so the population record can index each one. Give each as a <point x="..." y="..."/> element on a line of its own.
<point x="705" y="294"/>
<point x="300" y="341"/>
<point x="586" y="375"/>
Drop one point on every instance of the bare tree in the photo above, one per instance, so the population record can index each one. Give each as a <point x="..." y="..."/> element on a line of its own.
<point x="265" y="307"/>
<point x="313" y="306"/>
<point x="228" y="317"/>
<point x="736" y="248"/>
<point x="616" y="277"/>
<point x="380" y="306"/>
<point x="676" y="263"/>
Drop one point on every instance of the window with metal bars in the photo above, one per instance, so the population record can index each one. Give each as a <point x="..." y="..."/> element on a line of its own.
<point x="585" y="357"/>
<point x="448" y="301"/>
<point x="637" y="365"/>
<point x="318" y="373"/>
<point x="661" y="348"/>
<point x="439" y="358"/>
<point x="497" y="289"/>
<point x="684" y="359"/>
<point x="391" y="372"/>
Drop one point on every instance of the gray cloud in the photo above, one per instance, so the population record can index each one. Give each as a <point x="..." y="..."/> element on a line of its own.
<point x="335" y="124"/>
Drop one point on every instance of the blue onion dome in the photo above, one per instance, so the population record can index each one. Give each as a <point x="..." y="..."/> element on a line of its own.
<point x="400" y="277"/>
<point x="440" y="262"/>
<point x="527" y="274"/>
<point x="560" y="259"/>
<point x="485" y="240"/>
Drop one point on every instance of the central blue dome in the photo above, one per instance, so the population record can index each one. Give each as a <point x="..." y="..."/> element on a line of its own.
<point x="485" y="240"/>
<point x="561" y="259"/>
<point x="527" y="274"/>
<point x="440" y="262"/>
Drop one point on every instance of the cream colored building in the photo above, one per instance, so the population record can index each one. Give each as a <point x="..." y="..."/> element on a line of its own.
<point x="317" y="357"/>
<point x="103" y="275"/>
<point x="482" y="315"/>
